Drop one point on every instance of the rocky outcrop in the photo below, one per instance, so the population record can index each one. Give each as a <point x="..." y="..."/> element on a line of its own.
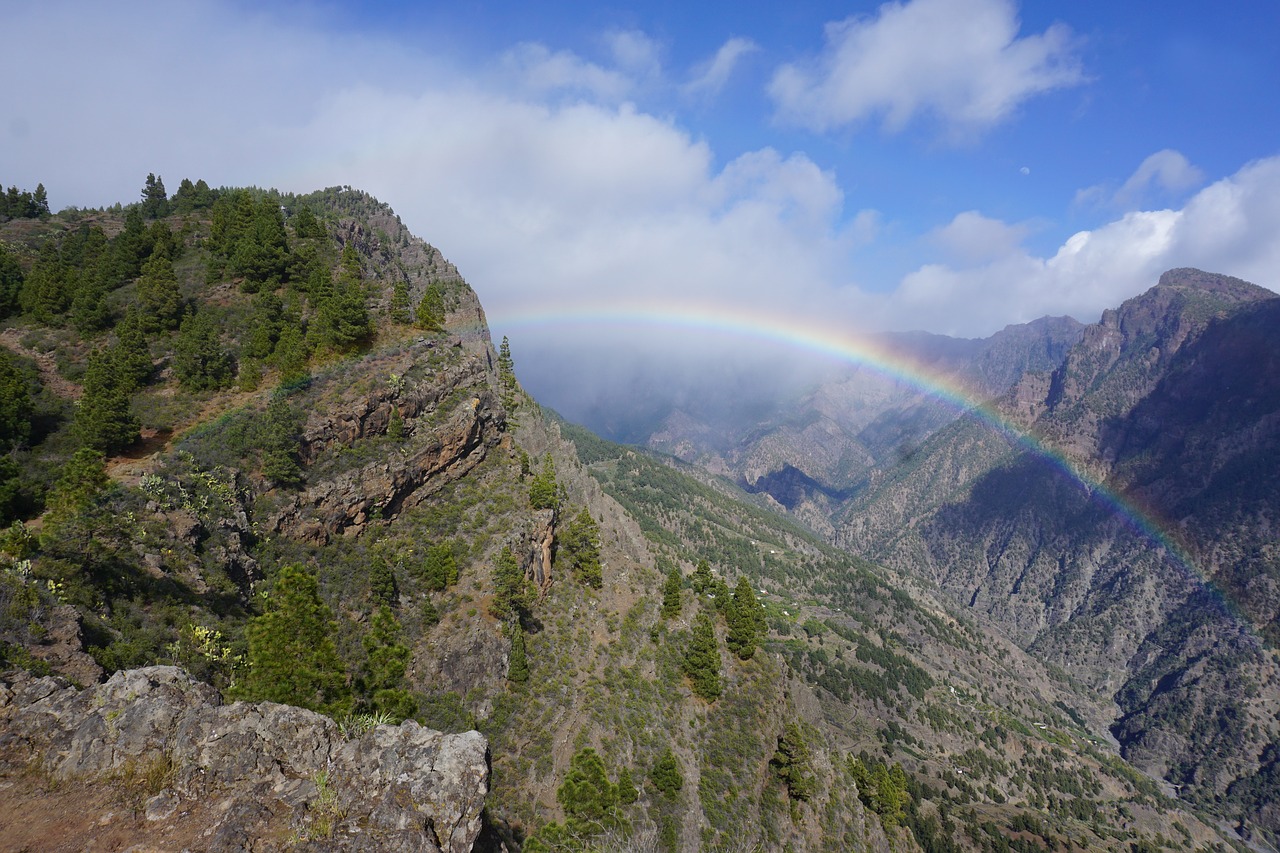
<point x="61" y="646"/>
<point x="534" y="550"/>
<point x="451" y="419"/>
<point x="253" y="776"/>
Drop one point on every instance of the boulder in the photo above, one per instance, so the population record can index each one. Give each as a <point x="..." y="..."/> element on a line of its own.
<point x="255" y="775"/>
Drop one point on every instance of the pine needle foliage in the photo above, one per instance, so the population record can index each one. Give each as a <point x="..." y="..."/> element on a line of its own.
<point x="292" y="658"/>
<point x="702" y="658"/>
<point x="580" y="549"/>
<point x="671" y="602"/>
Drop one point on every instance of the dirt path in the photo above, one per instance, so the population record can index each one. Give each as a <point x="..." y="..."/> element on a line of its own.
<point x="49" y="376"/>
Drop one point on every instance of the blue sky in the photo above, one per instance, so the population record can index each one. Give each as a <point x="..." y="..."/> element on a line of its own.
<point x="951" y="165"/>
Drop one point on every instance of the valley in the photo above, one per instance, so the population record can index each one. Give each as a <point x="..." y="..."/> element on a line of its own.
<point x="876" y="623"/>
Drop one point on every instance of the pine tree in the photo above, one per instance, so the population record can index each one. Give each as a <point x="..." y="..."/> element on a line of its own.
<point x="382" y="583"/>
<point x="439" y="567"/>
<point x="130" y="247"/>
<point x="579" y="547"/>
<point x="130" y="354"/>
<point x="342" y="319"/>
<point x="342" y="323"/>
<point x="671" y="602"/>
<point x="16" y="408"/>
<point x="721" y="595"/>
<point x="261" y="254"/>
<point x="40" y="202"/>
<point x="11" y="278"/>
<point x="792" y="763"/>
<point x="587" y="796"/>
<point x="400" y="302"/>
<point x="510" y="596"/>
<point x="507" y="375"/>
<point x="591" y="805"/>
<point x="666" y="775"/>
<point x="627" y="792"/>
<point x="87" y="254"/>
<point x="199" y="360"/>
<point x="292" y="355"/>
<point x="745" y="618"/>
<point x="89" y="312"/>
<point x="701" y="581"/>
<point x="155" y="201"/>
<point x="163" y="242"/>
<point x="104" y="420"/>
<point x="46" y="289"/>
<point x="292" y="657"/>
<point x="388" y="657"/>
<point x="430" y="311"/>
<point x="183" y="200"/>
<point x="518" y="666"/>
<point x="280" y="444"/>
<point x="305" y="224"/>
<point x="82" y="482"/>
<point x="388" y="661"/>
<point x="543" y="491"/>
<point x="158" y="298"/>
<point x="265" y="326"/>
<point x="702" y="658"/>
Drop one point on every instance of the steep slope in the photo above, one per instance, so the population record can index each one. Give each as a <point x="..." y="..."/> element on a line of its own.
<point x="374" y="522"/>
<point x="345" y="502"/>
<point x="1169" y="402"/>
<point x="818" y="450"/>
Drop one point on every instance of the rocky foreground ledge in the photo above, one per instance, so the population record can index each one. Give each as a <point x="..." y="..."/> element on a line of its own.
<point x="156" y="755"/>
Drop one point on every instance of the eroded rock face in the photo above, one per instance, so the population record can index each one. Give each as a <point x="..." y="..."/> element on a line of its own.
<point x="452" y="420"/>
<point x="258" y="775"/>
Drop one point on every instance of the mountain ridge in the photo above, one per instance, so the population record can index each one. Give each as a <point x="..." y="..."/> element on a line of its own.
<point x="377" y="510"/>
<point x="1015" y="537"/>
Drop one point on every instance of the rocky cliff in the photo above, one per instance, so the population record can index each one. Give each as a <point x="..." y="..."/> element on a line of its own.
<point x="192" y="772"/>
<point x="450" y="420"/>
<point x="1133" y="554"/>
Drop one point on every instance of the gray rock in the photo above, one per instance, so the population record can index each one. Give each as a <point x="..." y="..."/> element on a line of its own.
<point x="274" y="772"/>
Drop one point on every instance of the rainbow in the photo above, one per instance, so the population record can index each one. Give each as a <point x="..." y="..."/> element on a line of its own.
<point x="806" y="335"/>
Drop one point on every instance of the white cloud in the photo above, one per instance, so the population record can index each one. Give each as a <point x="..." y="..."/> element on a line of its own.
<point x="1164" y="171"/>
<point x="558" y="192"/>
<point x="971" y="237"/>
<point x="1163" y="176"/>
<point x="636" y="53"/>
<point x="711" y="76"/>
<point x="1231" y="226"/>
<point x="537" y="70"/>
<point x="959" y="60"/>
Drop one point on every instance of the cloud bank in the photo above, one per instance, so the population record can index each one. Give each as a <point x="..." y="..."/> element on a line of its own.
<point x="550" y="185"/>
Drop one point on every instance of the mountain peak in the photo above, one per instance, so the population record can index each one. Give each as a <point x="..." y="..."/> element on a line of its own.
<point x="1234" y="289"/>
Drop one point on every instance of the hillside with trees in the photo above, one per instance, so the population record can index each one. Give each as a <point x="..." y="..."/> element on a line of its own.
<point x="267" y="438"/>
